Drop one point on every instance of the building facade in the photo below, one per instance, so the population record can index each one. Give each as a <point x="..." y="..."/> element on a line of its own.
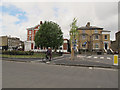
<point x="115" y="45"/>
<point x="65" y="48"/>
<point x="10" y="43"/>
<point x="30" y="43"/>
<point x="93" y="38"/>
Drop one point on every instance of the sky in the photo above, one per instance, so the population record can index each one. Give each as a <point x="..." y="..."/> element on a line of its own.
<point x="16" y="17"/>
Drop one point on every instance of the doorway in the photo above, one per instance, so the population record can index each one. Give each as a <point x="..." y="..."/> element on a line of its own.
<point x="106" y="46"/>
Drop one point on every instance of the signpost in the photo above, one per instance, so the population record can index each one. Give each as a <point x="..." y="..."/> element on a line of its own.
<point x="115" y="60"/>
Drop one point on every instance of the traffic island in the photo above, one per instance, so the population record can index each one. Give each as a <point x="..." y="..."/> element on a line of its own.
<point x="83" y="64"/>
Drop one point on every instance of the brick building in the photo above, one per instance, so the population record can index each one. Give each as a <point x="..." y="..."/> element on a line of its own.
<point x="30" y="43"/>
<point x="92" y="38"/>
<point x="65" y="48"/>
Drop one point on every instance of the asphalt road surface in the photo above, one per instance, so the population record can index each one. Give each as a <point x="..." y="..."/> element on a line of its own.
<point x="40" y="75"/>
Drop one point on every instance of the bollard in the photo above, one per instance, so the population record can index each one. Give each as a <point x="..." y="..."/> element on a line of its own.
<point x="115" y="59"/>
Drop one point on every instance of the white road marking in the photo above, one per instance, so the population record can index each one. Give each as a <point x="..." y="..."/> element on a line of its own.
<point x="111" y="69"/>
<point x="95" y="57"/>
<point x="90" y="68"/>
<point x="108" y="58"/>
<point x="47" y="62"/>
<point x="101" y="57"/>
<point x="80" y="56"/>
<point x="89" y="56"/>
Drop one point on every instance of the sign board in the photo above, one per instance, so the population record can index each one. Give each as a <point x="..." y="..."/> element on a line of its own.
<point x="115" y="59"/>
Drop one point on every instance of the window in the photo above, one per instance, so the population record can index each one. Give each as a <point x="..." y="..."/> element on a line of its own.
<point x="96" y="31"/>
<point x="96" y="45"/>
<point x="30" y="38"/>
<point x="83" y="36"/>
<point x="83" y="31"/>
<point x="105" y="36"/>
<point x="30" y="32"/>
<point x="96" y="37"/>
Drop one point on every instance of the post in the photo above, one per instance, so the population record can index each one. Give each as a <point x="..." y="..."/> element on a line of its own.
<point x="72" y="54"/>
<point x="115" y="59"/>
<point x="72" y="49"/>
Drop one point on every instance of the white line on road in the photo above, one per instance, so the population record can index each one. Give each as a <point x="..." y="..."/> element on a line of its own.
<point x="89" y="56"/>
<point x="108" y="58"/>
<point x="101" y="57"/>
<point x="111" y="69"/>
<point x="90" y="67"/>
<point x="95" y="57"/>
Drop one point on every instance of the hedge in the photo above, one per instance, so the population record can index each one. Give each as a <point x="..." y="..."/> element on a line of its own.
<point x="18" y="52"/>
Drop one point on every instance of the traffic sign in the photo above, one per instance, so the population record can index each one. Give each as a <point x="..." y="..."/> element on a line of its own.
<point x="115" y="60"/>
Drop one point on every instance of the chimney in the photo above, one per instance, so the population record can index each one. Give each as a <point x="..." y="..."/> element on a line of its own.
<point x="88" y="24"/>
<point x="40" y="22"/>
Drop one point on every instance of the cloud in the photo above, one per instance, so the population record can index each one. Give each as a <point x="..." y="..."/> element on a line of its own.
<point x="29" y="14"/>
<point x="14" y="11"/>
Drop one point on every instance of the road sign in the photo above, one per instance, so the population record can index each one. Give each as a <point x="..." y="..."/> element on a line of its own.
<point x="115" y="59"/>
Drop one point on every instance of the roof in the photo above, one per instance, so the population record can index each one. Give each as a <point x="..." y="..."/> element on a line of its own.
<point x="65" y="39"/>
<point x="106" y="31"/>
<point x="118" y="32"/>
<point x="32" y="27"/>
<point x="89" y="28"/>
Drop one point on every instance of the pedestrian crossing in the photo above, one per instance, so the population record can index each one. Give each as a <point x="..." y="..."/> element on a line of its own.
<point x="96" y="57"/>
<point x="101" y="57"/>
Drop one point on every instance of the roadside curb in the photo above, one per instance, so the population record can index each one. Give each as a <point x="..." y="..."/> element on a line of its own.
<point x="83" y="65"/>
<point x="16" y="60"/>
<point x="30" y="59"/>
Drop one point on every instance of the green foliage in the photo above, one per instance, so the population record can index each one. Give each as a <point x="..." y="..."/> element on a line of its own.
<point x="49" y="35"/>
<point x="18" y="52"/>
<point x="73" y="33"/>
<point x="74" y="27"/>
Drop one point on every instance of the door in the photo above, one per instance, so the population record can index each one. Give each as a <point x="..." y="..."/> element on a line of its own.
<point x="31" y="45"/>
<point x="106" y="46"/>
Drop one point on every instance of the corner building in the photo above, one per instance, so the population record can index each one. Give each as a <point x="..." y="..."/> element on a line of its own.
<point x="92" y="38"/>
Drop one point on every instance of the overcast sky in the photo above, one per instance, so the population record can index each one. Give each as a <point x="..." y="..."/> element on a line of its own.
<point x="17" y="16"/>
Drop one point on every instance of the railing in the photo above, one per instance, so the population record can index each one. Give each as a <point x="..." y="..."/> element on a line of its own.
<point x="111" y="50"/>
<point x="105" y="50"/>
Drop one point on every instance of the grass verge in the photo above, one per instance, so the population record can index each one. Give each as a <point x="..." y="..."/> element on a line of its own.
<point x="35" y="55"/>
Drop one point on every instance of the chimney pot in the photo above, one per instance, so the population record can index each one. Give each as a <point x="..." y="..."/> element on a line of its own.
<point x="88" y="24"/>
<point x="40" y="22"/>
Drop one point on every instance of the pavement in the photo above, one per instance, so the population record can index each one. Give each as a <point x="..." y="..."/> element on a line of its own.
<point x="102" y="61"/>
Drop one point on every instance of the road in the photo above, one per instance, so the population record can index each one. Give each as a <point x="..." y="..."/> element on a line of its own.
<point x="40" y="75"/>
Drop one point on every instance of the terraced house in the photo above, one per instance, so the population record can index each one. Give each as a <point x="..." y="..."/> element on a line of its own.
<point x="92" y="38"/>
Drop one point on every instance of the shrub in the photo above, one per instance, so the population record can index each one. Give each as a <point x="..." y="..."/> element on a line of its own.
<point x="18" y="52"/>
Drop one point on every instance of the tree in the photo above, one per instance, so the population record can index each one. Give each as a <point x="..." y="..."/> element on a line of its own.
<point x="49" y="35"/>
<point x="73" y="37"/>
<point x="73" y="31"/>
